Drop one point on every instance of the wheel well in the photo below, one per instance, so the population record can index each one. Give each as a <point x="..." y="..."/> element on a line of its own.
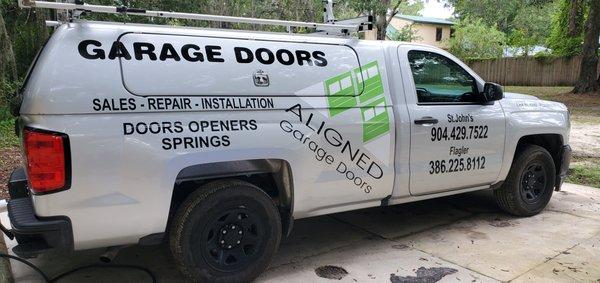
<point x="273" y="176"/>
<point x="551" y="142"/>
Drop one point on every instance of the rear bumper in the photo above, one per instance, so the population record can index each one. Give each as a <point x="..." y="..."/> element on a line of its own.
<point x="17" y="184"/>
<point x="565" y="161"/>
<point x="35" y="235"/>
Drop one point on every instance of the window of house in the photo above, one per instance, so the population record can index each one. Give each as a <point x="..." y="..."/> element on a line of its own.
<point x="438" y="34"/>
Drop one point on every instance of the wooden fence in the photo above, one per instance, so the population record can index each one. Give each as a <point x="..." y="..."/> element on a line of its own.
<point x="529" y="71"/>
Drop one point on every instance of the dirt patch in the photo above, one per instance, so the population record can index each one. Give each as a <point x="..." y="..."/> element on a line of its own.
<point x="476" y="235"/>
<point x="501" y="223"/>
<point x="585" y="140"/>
<point x="581" y="100"/>
<point x="424" y="275"/>
<point x="10" y="158"/>
<point x="331" y="272"/>
<point x="401" y="247"/>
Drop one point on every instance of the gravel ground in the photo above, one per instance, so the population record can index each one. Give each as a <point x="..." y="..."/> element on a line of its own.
<point x="585" y="140"/>
<point x="10" y="158"/>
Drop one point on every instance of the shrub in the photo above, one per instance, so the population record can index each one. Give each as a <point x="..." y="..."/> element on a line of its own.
<point x="475" y="39"/>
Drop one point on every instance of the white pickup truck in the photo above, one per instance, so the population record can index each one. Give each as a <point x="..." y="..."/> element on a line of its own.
<point x="216" y="141"/>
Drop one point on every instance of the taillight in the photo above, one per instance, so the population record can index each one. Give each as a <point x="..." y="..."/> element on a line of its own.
<point x="47" y="157"/>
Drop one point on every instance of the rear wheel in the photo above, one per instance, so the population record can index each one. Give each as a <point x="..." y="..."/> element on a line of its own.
<point x="530" y="182"/>
<point x="226" y="231"/>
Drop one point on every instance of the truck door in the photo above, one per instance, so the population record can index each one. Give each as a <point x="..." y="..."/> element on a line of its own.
<point x="456" y="140"/>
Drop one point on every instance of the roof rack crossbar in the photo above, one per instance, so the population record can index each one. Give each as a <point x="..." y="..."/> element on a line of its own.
<point x="333" y="28"/>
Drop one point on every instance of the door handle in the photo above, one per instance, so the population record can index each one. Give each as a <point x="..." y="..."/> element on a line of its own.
<point x="426" y="121"/>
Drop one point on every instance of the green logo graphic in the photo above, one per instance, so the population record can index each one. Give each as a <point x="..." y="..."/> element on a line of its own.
<point x="343" y="90"/>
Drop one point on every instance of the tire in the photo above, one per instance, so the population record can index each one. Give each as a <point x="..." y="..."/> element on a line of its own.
<point x="530" y="182"/>
<point x="226" y="231"/>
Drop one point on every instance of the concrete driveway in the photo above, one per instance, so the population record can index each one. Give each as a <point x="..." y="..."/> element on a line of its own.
<point x="462" y="238"/>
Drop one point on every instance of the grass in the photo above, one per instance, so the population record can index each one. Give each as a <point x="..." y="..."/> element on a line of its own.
<point x="543" y="92"/>
<point x="7" y="134"/>
<point x="585" y="175"/>
<point x="585" y="108"/>
<point x="585" y="172"/>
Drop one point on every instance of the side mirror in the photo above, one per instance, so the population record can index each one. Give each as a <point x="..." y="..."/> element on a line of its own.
<point x="492" y="92"/>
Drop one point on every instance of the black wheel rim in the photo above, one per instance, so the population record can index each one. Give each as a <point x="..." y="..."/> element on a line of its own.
<point x="533" y="183"/>
<point x="232" y="241"/>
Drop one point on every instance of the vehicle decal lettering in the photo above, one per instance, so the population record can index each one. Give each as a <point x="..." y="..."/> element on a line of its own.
<point x="180" y="104"/>
<point x="351" y="160"/>
<point x="195" y="134"/>
<point x="92" y="50"/>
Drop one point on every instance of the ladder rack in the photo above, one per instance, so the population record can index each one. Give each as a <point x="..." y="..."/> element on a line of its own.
<point x="79" y="7"/>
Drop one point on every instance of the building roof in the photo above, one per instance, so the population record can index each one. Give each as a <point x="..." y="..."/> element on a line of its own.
<point x="426" y="20"/>
<point x="391" y="31"/>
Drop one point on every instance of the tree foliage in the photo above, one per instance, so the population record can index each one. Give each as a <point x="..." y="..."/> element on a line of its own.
<point x="490" y="12"/>
<point x="384" y="11"/>
<point x="22" y="34"/>
<point x="566" y="36"/>
<point x="475" y="39"/>
<point x="300" y="10"/>
<point x="26" y="31"/>
<point x="413" y="8"/>
<point x="529" y="28"/>
<point x="525" y="22"/>
<point x="8" y="67"/>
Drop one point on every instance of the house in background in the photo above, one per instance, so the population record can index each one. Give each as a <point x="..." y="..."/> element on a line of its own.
<point x="427" y="30"/>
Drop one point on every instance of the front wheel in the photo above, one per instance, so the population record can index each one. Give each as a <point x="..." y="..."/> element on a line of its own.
<point x="226" y="231"/>
<point x="530" y="182"/>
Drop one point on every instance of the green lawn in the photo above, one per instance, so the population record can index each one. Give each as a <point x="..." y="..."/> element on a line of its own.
<point x="588" y="175"/>
<point x="543" y="92"/>
<point x="585" y="171"/>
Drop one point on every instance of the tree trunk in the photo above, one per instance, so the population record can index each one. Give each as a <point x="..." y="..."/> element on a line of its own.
<point x="40" y="19"/>
<point x="383" y="19"/>
<point x="574" y="18"/>
<point x="588" y="74"/>
<point x="7" y="55"/>
<point x="8" y="64"/>
<point x="381" y="25"/>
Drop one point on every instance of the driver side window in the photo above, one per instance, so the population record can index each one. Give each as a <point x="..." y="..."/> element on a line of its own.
<point x="440" y="80"/>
